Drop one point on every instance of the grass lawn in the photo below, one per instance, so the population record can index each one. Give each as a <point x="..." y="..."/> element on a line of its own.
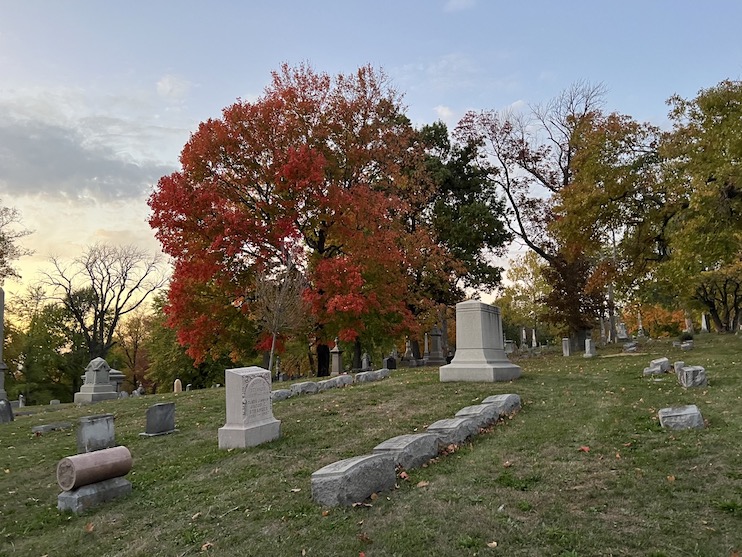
<point x="531" y="485"/>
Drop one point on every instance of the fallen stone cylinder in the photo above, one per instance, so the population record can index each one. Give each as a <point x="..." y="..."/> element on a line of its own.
<point x="88" y="468"/>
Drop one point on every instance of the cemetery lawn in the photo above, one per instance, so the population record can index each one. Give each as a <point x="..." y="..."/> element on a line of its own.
<point x="583" y="470"/>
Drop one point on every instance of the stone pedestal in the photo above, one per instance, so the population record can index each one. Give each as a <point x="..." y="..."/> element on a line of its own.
<point x="336" y="360"/>
<point x="97" y="385"/>
<point x="250" y="418"/>
<point x="480" y="354"/>
<point x="436" y="356"/>
<point x="95" y="433"/>
<point x="590" y="351"/>
<point x="566" y="347"/>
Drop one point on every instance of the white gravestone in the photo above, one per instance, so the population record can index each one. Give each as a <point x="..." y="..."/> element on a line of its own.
<point x="480" y="353"/>
<point x="250" y="418"/>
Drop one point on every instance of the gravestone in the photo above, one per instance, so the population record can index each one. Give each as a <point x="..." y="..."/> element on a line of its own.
<point x="566" y="347"/>
<point x="590" y="351"/>
<point x="3" y="367"/>
<point x="704" y="323"/>
<point x="250" y="418"/>
<point x="353" y="480"/>
<point x="621" y="333"/>
<point x="682" y="417"/>
<point x="389" y="362"/>
<point x="509" y="346"/>
<point x="177" y="386"/>
<point x="507" y="404"/>
<point x="6" y="412"/>
<point x="436" y="356"/>
<point x="160" y="420"/>
<point x="366" y="362"/>
<point x="408" y="358"/>
<point x="426" y="348"/>
<point x="21" y="401"/>
<point x="692" y="376"/>
<point x="336" y="359"/>
<point x="95" y="433"/>
<point x="97" y="384"/>
<point x="116" y="378"/>
<point x="454" y="430"/>
<point x="323" y="360"/>
<point x="480" y="354"/>
<point x="411" y="450"/>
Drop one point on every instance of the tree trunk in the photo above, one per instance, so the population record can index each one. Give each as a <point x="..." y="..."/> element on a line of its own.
<point x="357" y="354"/>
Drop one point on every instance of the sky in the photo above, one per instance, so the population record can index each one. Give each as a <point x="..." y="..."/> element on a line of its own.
<point x="98" y="98"/>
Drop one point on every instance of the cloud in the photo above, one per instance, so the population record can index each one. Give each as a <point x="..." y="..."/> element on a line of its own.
<point x="458" y="5"/>
<point x="444" y="113"/>
<point x="173" y="87"/>
<point x="39" y="158"/>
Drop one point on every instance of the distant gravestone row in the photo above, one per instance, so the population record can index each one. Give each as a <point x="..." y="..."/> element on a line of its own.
<point x="355" y="479"/>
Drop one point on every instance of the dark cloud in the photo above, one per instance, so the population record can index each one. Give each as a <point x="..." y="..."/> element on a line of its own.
<point x="38" y="157"/>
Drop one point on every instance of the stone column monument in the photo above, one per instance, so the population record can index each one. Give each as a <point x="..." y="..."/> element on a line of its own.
<point x="336" y="360"/>
<point x="3" y="367"/>
<point x="97" y="385"/>
<point x="480" y="352"/>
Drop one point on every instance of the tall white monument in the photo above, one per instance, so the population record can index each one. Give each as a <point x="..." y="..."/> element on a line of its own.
<point x="480" y="351"/>
<point x="3" y="367"/>
<point x="250" y="418"/>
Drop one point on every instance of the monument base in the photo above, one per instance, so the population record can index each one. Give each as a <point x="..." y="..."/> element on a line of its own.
<point x="87" y="496"/>
<point x="240" y="437"/>
<point x="95" y="397"/>
<point x="488" y="372"/>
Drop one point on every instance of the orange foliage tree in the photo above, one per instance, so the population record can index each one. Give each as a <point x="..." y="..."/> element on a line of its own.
<point x="318" y="168"/>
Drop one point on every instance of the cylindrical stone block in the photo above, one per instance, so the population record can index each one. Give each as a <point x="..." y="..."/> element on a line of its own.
<point x="87" y="468"/>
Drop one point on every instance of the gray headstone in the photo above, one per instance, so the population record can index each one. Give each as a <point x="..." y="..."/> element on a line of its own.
<point x="590" y="351"/>
<point x="280" y="394"/>
<point x="95" y="433"/>
<point x="506" y="404"/>
<point x="6" y="412"/>
<point x="160" y="419"/>
<point x="411" y="450"/>
<point x="353" y="480"/>
<point x="389" y="363"/>
<point x="484" y="414"/>
<point x="54" y="401"/>
<point x="566" y="347"/>
<point x="97" y="384"/>
<point x="682" y="417"/>
<point x="88" y="496"/>
<point x="305" y="387"/>
<point x="692" y="376"/>
<point x="662" y="363"/>
<point x="46" y="428"/>
<point x="454" y="430"/>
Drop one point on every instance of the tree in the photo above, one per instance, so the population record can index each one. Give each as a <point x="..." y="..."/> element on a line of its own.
<point x="101" y="286"/>
<point x="704" y="248"/>
<point x="10" y="251"/>
<point x="568" y="145"/>
<point x="131" y="340"/>
<point x="313" y="167"/>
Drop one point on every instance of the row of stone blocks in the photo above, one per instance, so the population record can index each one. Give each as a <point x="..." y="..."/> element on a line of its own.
<point x="688" y="376"/>
<point x="355" y="479"/>
<point x="311" y="387"/>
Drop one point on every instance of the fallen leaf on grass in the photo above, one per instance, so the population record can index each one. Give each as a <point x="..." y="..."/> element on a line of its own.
<point x="507" y="464"/>
<point x="355" y="505"/>
<point x="207" y="546"/>
<point x="423" y="484"/>
<point x="670" y="479"/>
<point x="584" y="449"/>
<point x="195" y="516"/>
<point x="374" y="496"/>
<point x="363" y="537"/>
<point x="7" y="470"/>
<point x="295" y="490"/>
<point x="492" y="545"/>
<point x="89" y="527"/>
<point x="404" y="476"/>
<point x="325" y="513"/>
<point x="361" y="554"/>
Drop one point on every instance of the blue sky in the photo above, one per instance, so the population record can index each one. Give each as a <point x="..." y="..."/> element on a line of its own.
<point x="97" y="98"/>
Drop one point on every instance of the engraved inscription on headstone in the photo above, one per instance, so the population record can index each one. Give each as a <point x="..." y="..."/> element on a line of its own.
<point x="256" y="400"/>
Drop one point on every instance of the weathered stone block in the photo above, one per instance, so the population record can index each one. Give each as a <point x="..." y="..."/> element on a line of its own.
<point x="280" y="394"/>
<point x="506" y="404"/>
<point x="692" y="376"/>
<point x="383" y="373"/>
<point x="95" y="433"/>
<point x="484" y="414"/>
<point x="160" y="420"/>
<point x="46" y="428"/>
<point x="662" y="363"/>
<point x="303" y="388"/>
<point x="454" y="430"/>
<point x="353" y="480"/>
<point x="681" y="417"/>
<point x="327" y="384"/>
<point x="343" y="380"/>
<point x="88" y="496"/>
<point x="411" y="450"/>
